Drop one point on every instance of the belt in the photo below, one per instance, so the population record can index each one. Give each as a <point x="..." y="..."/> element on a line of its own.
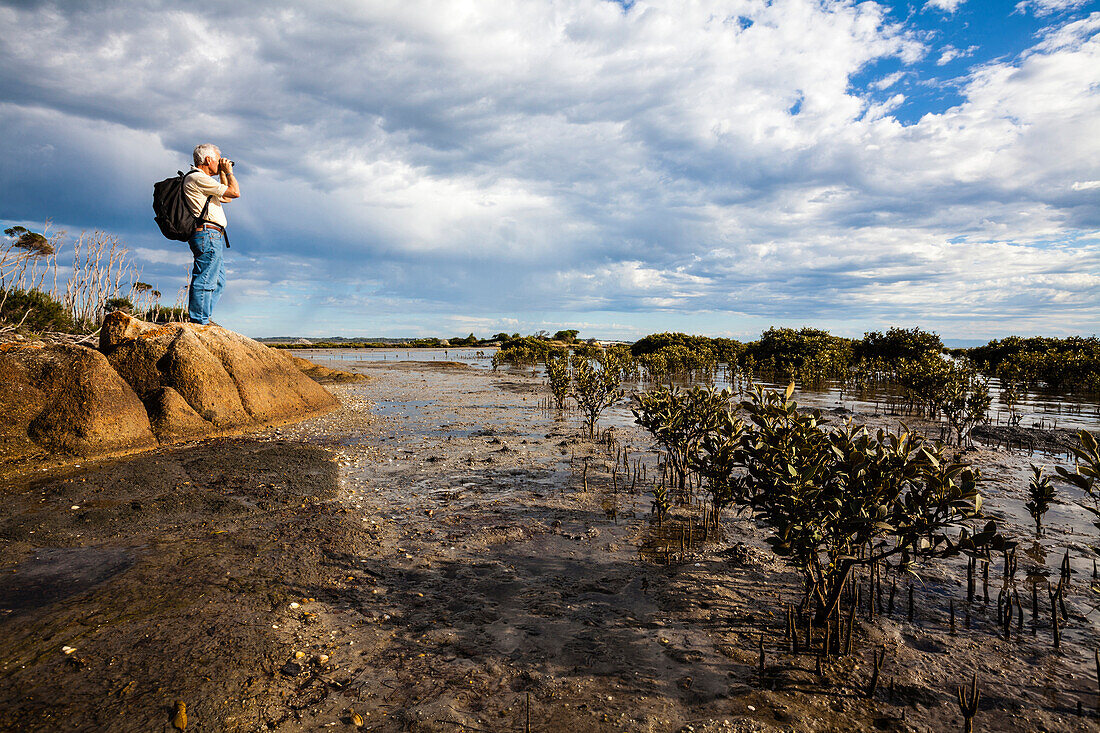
<point x="216" y="228"/>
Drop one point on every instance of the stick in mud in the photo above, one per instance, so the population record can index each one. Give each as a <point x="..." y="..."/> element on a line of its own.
<point x="761" y="666"/>
<point x="969" y="704"/>
<point x="851" y="628"/>
<point x="1054" y="616"/>
<point x="1035" y="607"/>
<point x="971" y="563"/>
<point x="877" y="659"/>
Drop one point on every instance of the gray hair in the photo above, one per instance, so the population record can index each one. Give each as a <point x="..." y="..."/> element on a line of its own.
<point x="206" y="150"/>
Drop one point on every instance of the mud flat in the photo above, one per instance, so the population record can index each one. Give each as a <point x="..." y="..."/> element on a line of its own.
<point x="428" y="557"/>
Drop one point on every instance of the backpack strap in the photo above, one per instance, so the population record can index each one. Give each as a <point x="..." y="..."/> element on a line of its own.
<point x="205" y="207"/>
<point x="202" y="215"/>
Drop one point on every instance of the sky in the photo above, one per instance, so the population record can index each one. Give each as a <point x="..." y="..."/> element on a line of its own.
<point x="718" y="167"/>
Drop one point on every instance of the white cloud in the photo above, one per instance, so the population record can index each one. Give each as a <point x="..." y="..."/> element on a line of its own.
<point x="888" y="81"/>
<point x="950" y="53"/>
<point x="947" y="6"/>
<point x="1047" y="7"/>
<point x="181" y="256"/>
<point x="1085" y="185"/>
<point x="403" y="157"/>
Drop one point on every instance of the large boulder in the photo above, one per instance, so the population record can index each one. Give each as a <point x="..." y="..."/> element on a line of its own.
<point x="66" y="398"/>
<point x="172" y="418"/>
<point x="228" y="380"/>
<point x="173" y="356"/>
<point x="147" y="384"/>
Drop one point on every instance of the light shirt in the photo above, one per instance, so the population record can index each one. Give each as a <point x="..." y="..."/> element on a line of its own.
<point x="196" y="187"/>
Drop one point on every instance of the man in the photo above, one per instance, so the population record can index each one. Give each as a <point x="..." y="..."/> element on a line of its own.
<point x="208" y="241"/>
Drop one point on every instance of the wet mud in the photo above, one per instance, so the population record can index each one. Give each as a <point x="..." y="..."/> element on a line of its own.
<point x="442" y="555"/>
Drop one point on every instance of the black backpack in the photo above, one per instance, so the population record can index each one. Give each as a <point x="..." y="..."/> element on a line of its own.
<point x="173" y="215"/>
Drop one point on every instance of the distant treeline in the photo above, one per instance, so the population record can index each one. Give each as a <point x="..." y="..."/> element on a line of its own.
<point x="421" y="343"/>
<point x="910" y="355"/>
<point x="787" y="351"/>
<point x="540" y="341"/>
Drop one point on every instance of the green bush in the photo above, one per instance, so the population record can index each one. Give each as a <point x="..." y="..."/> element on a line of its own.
<point x="807" y="353"/>
<point x="36" y="310"/>
<point x="470" y="340"/>
<point x="1071" y="363"/>
<point x="118" y="304"/>
<point x="897" y="344"/>
<point x="568" y="335"/>
<point x="526" y="350"/>
<point x="662" y="354"/>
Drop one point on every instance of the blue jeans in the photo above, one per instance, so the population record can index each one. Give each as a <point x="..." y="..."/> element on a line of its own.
<point x="208" y="275"/>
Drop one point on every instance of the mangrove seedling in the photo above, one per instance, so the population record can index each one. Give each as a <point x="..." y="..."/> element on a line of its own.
<point x="1040" y="490"/>
<point x="557" y="373"/>
<point x="661" y="504"/>
<point x="596" y="387"/>
<point x="679" y="419"/>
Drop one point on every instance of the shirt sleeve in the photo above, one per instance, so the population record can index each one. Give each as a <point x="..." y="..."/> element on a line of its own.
<point x="208" y="185"/>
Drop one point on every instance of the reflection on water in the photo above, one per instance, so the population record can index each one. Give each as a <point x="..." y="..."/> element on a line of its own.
<point x="480" y="357"/>
<point x="1037" y="408"/>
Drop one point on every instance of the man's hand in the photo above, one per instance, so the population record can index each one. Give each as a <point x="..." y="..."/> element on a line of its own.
<point x="225" y="173"/>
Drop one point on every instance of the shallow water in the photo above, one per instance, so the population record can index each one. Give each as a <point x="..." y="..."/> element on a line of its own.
<point x="1040" y="408"/>
<point x="478" y="357"/>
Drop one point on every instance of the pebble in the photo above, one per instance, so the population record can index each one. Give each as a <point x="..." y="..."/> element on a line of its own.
<point x="294" y="605"/>
<point x="67" y="650"/>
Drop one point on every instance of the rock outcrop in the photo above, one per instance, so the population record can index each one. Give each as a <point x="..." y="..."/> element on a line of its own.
<point x="323" y="374"/>
<point x="66" y="398"/>
<point x="147" y="385"/>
